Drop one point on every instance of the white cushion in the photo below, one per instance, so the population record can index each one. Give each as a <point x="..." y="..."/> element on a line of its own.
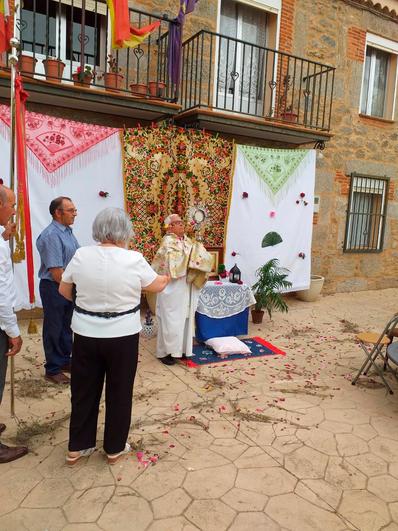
<point x="228" y="345"/>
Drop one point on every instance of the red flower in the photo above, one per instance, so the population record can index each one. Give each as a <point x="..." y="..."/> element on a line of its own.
<point x="240" y="282"/>
<point x="233" y="253"/>
<point x="302" y="194"/>
<point x="302" y="255"/>
<point x="1" y="181"/>
<point x="305" y="203"/>
<point x="101" y="193"/>
<point x="297" y="202"/>
<point x="245" y="195"/>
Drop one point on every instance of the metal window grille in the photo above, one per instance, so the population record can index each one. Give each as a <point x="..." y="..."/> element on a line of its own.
<point x="366" y="214"/>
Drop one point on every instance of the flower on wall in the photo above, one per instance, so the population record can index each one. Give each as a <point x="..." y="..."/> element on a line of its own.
<point x="245" y="195"/>
<point x="302" y="255"/>
<point x="272" y="214"/>
<point x="101" y="193"/>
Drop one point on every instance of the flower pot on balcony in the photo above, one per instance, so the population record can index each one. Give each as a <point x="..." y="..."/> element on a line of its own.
<point x="79" y="82"/>
<point x="139" y="89"/>
<point x="157" y="89"/>
<point x="289" y="116"/>
<point x="54" y="69"/>
<point x="313" y="292"/>
<point x="113" y="81"/>
<point x="27" y="65"/>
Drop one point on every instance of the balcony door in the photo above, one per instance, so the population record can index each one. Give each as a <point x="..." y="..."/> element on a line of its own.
<point x="241" y="58"/>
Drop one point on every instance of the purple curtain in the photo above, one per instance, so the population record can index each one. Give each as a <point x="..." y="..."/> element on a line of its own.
<point x="175" y="40"/>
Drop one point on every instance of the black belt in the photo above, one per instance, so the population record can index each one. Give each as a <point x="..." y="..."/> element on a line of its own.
<point x="106" y="315"/>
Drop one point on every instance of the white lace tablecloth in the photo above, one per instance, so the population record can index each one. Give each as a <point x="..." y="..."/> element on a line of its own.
<point x="224" y="300"/>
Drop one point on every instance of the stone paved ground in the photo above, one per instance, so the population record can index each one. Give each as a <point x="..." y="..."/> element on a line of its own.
<point x="274" y="443"/>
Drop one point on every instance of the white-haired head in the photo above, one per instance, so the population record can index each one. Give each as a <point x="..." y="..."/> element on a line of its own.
<point x="112" y="225"/>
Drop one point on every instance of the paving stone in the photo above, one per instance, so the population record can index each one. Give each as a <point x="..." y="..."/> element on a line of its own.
<point x="308" y="494"/>
<point x="253" y="522"/>
<point x="86" y="477"/>
<point x="306" y="463"/>
<point x="312" y="417"/>
<point x="158" y="480"/>
<point x="33" y="520"/>
<point x="394" y="511"/>
<point x="292" y="512"/>
<point x="221" y="429"/>
<point x="385" y="427"/>
<point x="327" y="492"/>
<point x="173" y="503"/>
<point x="335" y="427"/>
<point x="364" y="510"/>
<point x="210" y="515"/>
<point x="348" y="444"/>
<point x="178" y="523"/>
<point x="15" y="484"/>
<point x="49" y="493"/>
<point x="369" y="464"/>
<point x="350" y="416"/>
<point x="365" y="432"/>
<point x="210" y="482"/>
<point x="128" y="510"/>
<point x="385" y="487"/>
<point x="81" y="527"/>
<point x="287" y="444"/>
<point x="259" y="433"/>
<point x="318" y="439"/>
<point x="228" y="448"/>
<point x="342" y="474"/>
<point x="268" y="481"/>
<point x="199" y="458"/>
<point x="243" y="500"/>
<point x="87" y="506"/>
<point x="385" y="448"/>
<point x="255" y="457"/>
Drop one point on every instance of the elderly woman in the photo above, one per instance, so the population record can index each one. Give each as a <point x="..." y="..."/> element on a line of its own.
<point x="106" y="321"/>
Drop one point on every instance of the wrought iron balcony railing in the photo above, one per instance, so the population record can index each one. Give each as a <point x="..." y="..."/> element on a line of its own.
<point x="234" y="76"/>
<point x="60" y="38"/>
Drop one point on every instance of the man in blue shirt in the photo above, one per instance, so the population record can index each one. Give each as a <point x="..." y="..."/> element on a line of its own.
<point x="56" y="246"/>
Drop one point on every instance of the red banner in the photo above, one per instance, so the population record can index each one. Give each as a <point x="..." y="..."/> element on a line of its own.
<point x="22" y="178"/>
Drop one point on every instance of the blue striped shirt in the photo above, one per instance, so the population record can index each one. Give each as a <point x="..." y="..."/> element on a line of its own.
<point x="56" y="245"/>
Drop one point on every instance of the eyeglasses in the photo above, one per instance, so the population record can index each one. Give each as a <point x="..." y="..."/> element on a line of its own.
<point x="68" y="209"/>
<point x="177" y="223"/>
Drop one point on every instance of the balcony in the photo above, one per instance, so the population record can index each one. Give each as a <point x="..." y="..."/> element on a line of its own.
<point x="62" y="37"/>
<point x="232" y="86"/>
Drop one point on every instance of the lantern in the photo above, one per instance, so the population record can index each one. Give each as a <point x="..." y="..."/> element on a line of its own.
<point x="234" y="274"/>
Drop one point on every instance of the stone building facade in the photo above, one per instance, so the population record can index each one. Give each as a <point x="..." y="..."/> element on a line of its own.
<point x="337" y="32"/>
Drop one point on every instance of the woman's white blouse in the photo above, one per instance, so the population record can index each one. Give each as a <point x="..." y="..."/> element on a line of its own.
<point x="108" y="279"/>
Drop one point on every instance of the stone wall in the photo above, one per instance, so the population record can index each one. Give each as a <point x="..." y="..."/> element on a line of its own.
<point x="334" y="32"/>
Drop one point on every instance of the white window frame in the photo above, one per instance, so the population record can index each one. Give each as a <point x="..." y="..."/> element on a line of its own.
<point x="386" y="45"/>
<point x="271" y="6"/>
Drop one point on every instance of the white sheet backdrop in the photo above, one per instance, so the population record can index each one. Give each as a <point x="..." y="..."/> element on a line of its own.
<point x="249" y="220"/>
<point x="105" y="173"/>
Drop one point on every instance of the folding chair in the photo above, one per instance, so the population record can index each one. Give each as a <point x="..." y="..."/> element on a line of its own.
<point x="373" y="344"/>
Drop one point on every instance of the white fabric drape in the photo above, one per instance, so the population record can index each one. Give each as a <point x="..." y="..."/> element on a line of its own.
<point x="83" y="187"/>
<point x="251" y="218"/>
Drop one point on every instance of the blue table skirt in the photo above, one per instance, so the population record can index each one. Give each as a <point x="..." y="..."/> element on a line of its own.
<point x="207" y="327"/>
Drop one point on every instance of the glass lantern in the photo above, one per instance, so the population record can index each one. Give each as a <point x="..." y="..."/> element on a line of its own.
<point x="234" y="274"/>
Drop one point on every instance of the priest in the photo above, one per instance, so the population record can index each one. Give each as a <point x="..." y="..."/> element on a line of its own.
<point x="187" y="263"/>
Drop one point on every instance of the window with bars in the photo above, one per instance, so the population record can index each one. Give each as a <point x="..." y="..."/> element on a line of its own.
<point x="366" y="214"/>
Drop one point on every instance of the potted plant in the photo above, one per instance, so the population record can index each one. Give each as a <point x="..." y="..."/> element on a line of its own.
<point x="222" y="273"/>
<point x="156" y="89"/>
<point x="113" y="78"/>
<point x="54" y="69"/>
<point x="313" y="292"/>
<point x="83" y="76"/>
<point x="27" y="64"/>
<point x="267" y="290"/>
<point x="288" y="115"/>
<point x="139" y="88"/>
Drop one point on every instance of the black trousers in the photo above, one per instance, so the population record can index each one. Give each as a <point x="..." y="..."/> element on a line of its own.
<point x="93" y="360"/>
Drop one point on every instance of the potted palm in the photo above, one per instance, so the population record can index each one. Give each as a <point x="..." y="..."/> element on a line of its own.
<point x="267" y="290"/>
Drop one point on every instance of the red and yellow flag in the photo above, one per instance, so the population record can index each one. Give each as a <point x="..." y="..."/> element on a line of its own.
<point x="124" y="35"/>
<point x="5" y="26"/>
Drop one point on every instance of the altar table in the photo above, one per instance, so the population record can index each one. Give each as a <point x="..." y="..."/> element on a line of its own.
<point x="223" y="310"/>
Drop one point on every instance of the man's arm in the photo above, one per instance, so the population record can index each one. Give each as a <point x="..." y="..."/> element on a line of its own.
<point x="8" y="319"/>
<point x="56" y="273"/>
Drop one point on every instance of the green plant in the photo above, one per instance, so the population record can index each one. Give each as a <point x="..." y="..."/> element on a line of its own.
<point x="267" y="289"/>
<point x="112" y="64"/>
<point x="83" y="73"/>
